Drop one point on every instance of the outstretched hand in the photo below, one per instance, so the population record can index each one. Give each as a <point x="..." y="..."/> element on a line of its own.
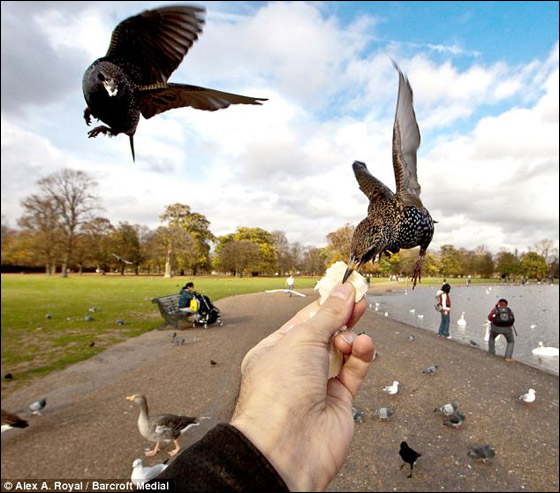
<point x="301" y="422"/>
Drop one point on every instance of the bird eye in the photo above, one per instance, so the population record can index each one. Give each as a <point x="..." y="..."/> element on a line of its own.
<point x="100" y="76"/>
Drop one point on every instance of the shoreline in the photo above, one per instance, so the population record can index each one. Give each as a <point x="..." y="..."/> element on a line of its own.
<point x="87" y="405"/>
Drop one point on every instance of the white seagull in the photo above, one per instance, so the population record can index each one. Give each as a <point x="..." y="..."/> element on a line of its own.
<point x="391" y="389"/>
<point x="528" y="398"/>
<point x="141" y="474"/>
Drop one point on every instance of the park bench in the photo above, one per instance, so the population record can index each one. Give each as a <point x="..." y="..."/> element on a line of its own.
<point x="169" y="309"/>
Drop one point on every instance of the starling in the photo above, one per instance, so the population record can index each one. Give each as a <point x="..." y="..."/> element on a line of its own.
<point x="10" y="420"/>
<point x="409" y="456"/>
<point x="394" y="220"/>
<point x="131" y="79"/>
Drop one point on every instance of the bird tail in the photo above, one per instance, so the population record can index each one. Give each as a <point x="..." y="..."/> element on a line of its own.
<point x="132" y="147"/>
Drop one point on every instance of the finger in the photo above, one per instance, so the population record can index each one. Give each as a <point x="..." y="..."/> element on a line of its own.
<point x="357" y="365"/>
<point x="359" y="310"/>
<point x="333" y="314"/>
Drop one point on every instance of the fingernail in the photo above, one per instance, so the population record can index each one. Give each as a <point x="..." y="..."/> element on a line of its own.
<point x="342" y="291"/>
<point x="348" y="337"/>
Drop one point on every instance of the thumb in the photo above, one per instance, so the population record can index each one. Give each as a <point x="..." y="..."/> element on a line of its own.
<point x="332" y="315"/>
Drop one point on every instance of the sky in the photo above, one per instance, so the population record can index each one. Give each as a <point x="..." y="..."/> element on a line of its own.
<point x="485" y="82"/>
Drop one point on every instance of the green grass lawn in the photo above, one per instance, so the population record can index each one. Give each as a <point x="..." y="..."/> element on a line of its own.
<point x="34" y="345"/>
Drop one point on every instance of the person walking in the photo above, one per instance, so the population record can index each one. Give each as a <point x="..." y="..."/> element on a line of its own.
<point x="501" y="322"/>
<point x="445" y="302"/>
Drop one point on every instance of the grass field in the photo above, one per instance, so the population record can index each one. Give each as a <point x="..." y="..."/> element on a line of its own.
<point x="34" y="345"/>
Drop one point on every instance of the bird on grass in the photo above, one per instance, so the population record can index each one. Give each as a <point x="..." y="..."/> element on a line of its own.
<point x="10" y="420"/>
<point x="409" y="456"/>
<point x="161" y="428"/>
<point x="395" y="220"/>
<point x="447" y="409"/>
<point x="528" y="398"/>
<point x="131" y="79"/>
<point x="482" y="453"/>
<point x="141" y="473"/>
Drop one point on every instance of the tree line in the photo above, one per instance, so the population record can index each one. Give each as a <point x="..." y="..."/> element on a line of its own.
<point x="61" y="228"/>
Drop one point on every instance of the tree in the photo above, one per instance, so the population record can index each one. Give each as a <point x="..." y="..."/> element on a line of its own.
<point x="239" y="257"/>
<point x="483" y="262"/>
<point x="126" y="246"/>
<point x="96" y="237"/>
<point x="507" y="263"/>
<point x="265" y="241"/>
<point x="313" y="261"/>
<point x="339" y="243"/>
<point x="533" y="265"/>
<point x="450" y="264"/>
<point x="70" y="192"/>
<point x="41" y="220"/>
<point x="179" y="216"/>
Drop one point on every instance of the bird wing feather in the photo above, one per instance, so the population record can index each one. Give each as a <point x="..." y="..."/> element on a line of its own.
<point x="406" y="141"/>
<point x="373" y="188"/>
<point x="157" y="98"/>
<point x="156" y="41"/>
<point x="171" y="424"/>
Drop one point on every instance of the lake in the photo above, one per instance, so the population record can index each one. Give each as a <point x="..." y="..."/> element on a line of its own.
<point x="534" y="305"/>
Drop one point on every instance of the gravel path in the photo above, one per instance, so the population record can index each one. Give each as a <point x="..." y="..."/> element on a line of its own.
<point x="89" y="431"/>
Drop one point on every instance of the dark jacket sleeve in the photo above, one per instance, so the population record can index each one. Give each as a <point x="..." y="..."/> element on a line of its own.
<point x="223" y="460"/>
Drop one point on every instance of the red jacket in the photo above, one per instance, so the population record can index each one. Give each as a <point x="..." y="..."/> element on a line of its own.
<point x="495" y="309"/>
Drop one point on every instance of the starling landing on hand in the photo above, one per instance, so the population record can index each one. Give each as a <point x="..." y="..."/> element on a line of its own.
<point x="131" y="79"/>
<point x="409" y="456"/>
<point x="400" y="220"/>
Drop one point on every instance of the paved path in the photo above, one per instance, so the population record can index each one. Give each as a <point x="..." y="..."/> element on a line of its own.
<point x="88" y="430"/>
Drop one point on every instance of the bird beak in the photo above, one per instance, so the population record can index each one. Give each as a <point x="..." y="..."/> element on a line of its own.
<point x="110" y="86"/>
<point x="131" y="397"/>
<point x="352" y="266"/>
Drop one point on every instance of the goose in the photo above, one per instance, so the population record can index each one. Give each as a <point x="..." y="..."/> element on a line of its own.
<point x="546" y="351"/>
<point x="462" y="322"/>
<point x="141" y="474"/>
<point x="10" y="420"/>
<point x="161" y="428"/>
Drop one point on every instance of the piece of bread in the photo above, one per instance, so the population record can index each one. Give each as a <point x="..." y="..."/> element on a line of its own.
<point x="326" y="284"/>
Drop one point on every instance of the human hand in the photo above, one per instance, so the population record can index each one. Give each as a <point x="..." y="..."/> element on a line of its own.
<point x="301" y="422"/>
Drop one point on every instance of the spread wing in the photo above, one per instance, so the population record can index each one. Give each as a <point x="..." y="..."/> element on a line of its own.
<point x="373" y="188"/>
<point x="156" y="41"/>
<point x="161" y="97"/>
<point x="406" y="141"/>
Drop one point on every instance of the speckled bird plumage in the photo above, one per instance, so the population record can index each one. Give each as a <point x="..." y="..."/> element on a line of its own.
<point x="395" y="220"/>
<point x="131" y="79"/>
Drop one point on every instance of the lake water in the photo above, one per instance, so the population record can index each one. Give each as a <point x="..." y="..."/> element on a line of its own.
<point x="533" y="305"/>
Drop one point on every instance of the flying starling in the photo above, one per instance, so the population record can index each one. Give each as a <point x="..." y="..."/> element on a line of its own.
<point x="131" y="79"/>
<point x="394" y="220"/>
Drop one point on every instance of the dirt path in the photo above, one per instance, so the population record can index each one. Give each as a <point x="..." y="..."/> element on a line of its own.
<point x="88" y="430"/>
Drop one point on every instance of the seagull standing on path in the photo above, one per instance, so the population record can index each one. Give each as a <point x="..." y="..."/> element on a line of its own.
<point x="528" y="398"/>
<point x="391" y="389"/>
<point x="141" y="474"/>
<point x="394" y="220"/>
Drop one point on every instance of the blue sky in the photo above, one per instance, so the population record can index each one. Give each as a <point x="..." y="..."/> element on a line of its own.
<point x="485" y="81"/>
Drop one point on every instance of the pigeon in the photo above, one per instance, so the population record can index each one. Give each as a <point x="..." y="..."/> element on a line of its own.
<point x="447" y="409"/>
<point x="357" y="415"/>
<point x="410" y="338"/>
<point x="131" y="79"/>
<point x="141" y="474"/>
<point x="69" y="319"/>
<point x="179" y="341"/>
<point x="10" y="420"/>
<point x="482" y="453"/>
<point x="8" y="376"/>
<point x="391" y="389"/>
<point x="430" y="370"/>
<point x="375" y="355"/>
<point x="48" y="316"/>
<point x="383" y="412"/>
<point x="88" y="318"/>
<point x="474" y="343"/>
<point x="92" y="343"/>
<point x="528" y="398"/>
<point x="394" y="220"/>
<point x="409" y="456"/>
<point x="37" y="406"/>
<point x="213" y="363"/>
<point x="173" y="335"/>
<point x="92" y="309"/>
<point x="120" y="321"/>
<point x="456" y="420"/>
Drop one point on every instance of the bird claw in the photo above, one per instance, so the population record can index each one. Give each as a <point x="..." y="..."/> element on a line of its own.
<point x="87" y="116"/>
<point x="417" y="274"/>
<point x="98" y="130"/>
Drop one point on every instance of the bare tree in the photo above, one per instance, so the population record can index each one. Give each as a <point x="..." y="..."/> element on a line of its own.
<point x="70" y="191"/>
<point x="41" y="219"/>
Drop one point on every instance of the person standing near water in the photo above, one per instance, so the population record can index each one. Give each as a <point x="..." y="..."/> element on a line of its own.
<point x="445" y="302"/>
